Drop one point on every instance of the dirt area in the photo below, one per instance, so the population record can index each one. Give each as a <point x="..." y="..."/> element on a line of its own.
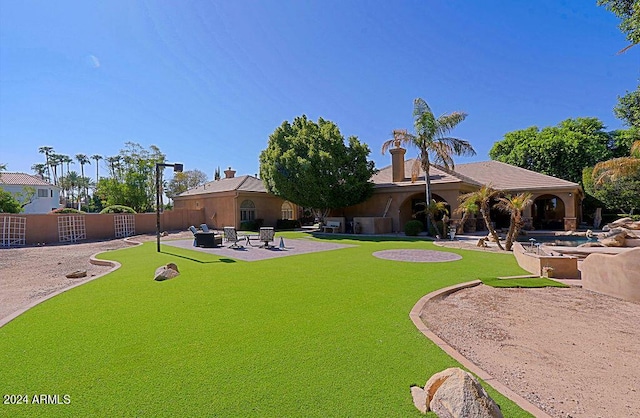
<point x="571" y="352"/>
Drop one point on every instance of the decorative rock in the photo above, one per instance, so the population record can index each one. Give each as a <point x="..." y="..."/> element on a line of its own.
<point x="461" y="395"/>
<point x="454" y="393"/>
<point x="166" y="272"/>
<point x="419" y="398"/>
<point x="614" y="241"/>
<point x="77" y="274"/>
<point x="590" y="244"/>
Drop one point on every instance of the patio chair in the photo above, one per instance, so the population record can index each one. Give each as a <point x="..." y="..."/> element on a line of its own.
<point x="231" y="235"/>
<point x="194" y="231"/>
<point x="204" y="228"/>
<point x="267" y="235"/>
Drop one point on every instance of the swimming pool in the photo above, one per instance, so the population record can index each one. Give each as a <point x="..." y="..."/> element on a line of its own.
<point x="566" y="241"/>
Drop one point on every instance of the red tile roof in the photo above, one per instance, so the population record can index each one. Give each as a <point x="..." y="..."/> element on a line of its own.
<point x="22" y="179"/>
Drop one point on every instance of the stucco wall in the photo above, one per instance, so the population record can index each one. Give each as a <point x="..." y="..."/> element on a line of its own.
<point x="43" y="228"/>
<point x="564" y="267"/>
<point x="614" y="275"/>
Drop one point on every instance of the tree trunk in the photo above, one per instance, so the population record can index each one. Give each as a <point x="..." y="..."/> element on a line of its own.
<point x="492" y="231"/>
<point x="510" y="234"/>
<point x="465" y="216"/>
<point x="427" y="183"/>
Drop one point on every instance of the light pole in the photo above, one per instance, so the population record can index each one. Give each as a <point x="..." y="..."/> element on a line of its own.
<point x="177" y="168"/>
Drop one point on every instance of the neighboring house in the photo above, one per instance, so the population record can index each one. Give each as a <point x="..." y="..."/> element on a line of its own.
<point x="232" y="200"/>
<point x="46" y="196"/>
<point x="557" y="202"/>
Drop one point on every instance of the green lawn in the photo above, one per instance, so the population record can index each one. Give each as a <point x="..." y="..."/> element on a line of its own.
<point x="316" y="335"/>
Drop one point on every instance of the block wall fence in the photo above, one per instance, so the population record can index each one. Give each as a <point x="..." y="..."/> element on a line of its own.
<point x="53" y="229"/>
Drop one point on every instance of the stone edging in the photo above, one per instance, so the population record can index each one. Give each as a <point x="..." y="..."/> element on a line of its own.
<point x="466" y="363"/>
<point x="93" y="260"/>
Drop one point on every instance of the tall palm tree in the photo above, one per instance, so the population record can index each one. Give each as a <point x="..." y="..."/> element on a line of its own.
<point x="514" y="205"/>
<point x="97" y="157"/>
<point x="483" y="197"/>
<point x="72" y="181"/>
<point x="82" y="160"/>
<point x="54" y="160"/>
<point x="3" y="167"/>
<point x="432" y="140"/>
<point x="47" y="151"/>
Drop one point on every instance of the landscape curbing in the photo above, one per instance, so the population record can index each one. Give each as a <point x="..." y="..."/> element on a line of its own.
<point x="466" y="363"/>
<point x="93" y="260"/>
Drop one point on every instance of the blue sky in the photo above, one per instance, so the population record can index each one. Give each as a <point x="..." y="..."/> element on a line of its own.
<point x="209" y="81"/>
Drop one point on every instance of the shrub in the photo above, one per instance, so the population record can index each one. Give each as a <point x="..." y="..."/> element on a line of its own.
<point x="412" y="228"/>
<point x="251" y="225"/>
<point x="282" y="224"/>
<point x="65" y="210"/>
<point x="117" y="209"/>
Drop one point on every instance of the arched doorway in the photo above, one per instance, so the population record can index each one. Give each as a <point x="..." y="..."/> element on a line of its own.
<point x="548" y="212"/>
<point x="412" y="205"/>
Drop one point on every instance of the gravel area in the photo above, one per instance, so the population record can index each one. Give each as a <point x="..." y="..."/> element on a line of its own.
<point x="571" y="352"/>
<point x="417" y="256"/>
<point x="28" y="274"/>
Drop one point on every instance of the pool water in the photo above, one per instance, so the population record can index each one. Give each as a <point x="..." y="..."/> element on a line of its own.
<point x="565" y="241"/>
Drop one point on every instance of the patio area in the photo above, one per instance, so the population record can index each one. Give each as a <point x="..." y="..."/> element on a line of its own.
<point x="255" y="253"/>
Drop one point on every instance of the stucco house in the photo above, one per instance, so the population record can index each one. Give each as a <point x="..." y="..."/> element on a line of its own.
<point x="557" y="202"/>
<point x="46" y="196"/>
<point x="232" y="200"/>
<point x="556" y="205"/>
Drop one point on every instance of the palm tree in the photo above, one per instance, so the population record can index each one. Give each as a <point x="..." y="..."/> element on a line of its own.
<point x="82" y="160"/>
<point x="3" y="167"/>
<point x="39" y="169"/>
<point x="467" y="206"/>
<point x="47" y="151"/>
<point x="483" y="197"/>
<point x="514" y="205"/>
<point x="67" y="160"/>
<point x="618" y="167"/>
<point x="431" y="139"/>
<point x="431" y="210"/>
<point x="54" y="160"/>
<point x="97" y="157"/>
<point x="72" y="181"/>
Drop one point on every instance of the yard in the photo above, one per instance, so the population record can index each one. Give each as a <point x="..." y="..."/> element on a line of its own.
<point x="319" y="334"/>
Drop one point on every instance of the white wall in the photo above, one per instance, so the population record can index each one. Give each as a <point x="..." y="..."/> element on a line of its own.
<point x="39" y="204"/>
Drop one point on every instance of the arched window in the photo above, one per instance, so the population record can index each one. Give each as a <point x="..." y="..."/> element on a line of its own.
<point x="287" y="210"/>
<point x="247" y="210"/>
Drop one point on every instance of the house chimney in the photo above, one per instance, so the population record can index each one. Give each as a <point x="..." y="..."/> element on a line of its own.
<point x="397" y="164"/>
<point x="229" y="173"/>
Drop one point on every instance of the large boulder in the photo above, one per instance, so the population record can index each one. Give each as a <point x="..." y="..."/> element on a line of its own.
<point x="455" y="393"/>
<point x="166" y="272"/>
<point x="617" y="240"/>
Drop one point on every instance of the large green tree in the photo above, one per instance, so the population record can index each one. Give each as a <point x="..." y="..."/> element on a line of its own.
<point x="184" y="181"/>
<point x="309" y="164"/>
<point x="564" y="150"/>
<point x="132" y="178"/>
<point x="628" y="109"/>
<point x="629" y="13"/>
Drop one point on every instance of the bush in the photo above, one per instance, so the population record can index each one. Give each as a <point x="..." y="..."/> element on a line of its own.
<point x="117" y="209"/>
<point x="412" y="228"/>
<point x="65" y="210"/>
<point x="251" y="225"/>
<point x="282" y="224"/>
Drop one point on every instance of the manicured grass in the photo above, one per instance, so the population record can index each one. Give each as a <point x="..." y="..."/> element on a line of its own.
<point x="314" y="335"/>
<point x="522" y="282"/>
